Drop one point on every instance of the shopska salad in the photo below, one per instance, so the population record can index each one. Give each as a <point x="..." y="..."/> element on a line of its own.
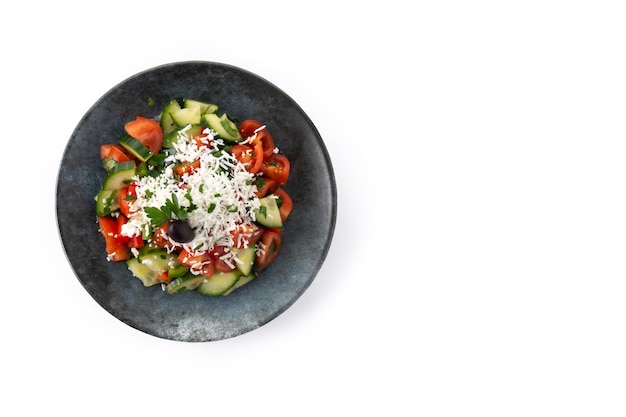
<point x="193" y="200"/>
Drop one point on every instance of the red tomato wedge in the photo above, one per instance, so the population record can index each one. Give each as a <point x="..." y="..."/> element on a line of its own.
<point x="251" y="156"/>
<point x="116" y="248"/>
<point x="112" y="152"/>
<point x="218" y="255"/>
<point x="270" y="244"/>
<point x="250" y="126"/>
<point x="265" y="186"/>
<point x="285" y="204"/>
<point x="187" y="168"/>
<point x="276" y="167"/>
<point x="246" y="235"/>
<point x="147" y="131"/>
<point x="202" y="263"/>
<point x="126" y="197"/>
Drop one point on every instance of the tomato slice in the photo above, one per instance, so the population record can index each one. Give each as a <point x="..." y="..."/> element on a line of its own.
<point x="217" y="254"/>
<point x="164" y="276"/>
<point x="187" y="168"/>
<point x="136" y="242"/>
<point x="122" y="253"/>
<point x="246" y="235"/>
<point x="251" y="156"/>
<point x="161" y="239"/>
<point x="276" y="167"/>
<point x="112" y="152"/>
<point x="116" y="248"/>
<point x="201" y="263"/>
<point x="268" y="247"/>
<point x="202" y="141"/>
<point x="250" y="126"/>
<point x="267" y="142"/>
<point x="265" y="186"/>
<point x="285" y="204"/>
<point x="121" y="221"/>
<point x="126" y="197"/>
<point x="147" y="131"/>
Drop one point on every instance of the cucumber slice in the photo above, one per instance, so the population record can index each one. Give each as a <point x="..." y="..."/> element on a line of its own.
<point x="177" y="271"/>
<point x="107" y="202"/>
<point x="204" y="107"/>
<point x="246" y="256"/>
<point x="243" y="280"/>
<point x="158" y="259"/>
<point x="136" y="148"/>
<point x="152" y="263"/>
<point x="187" y="282"/>
<point x="119" y="175"/>
<point x="219" y="283"/>
<point x="186" y="116"/>
<point x="268" y="214"/>
<point x="187" y="131"/>
<point x="223" y="126"/>
<point x="167" y="124"/>
<point x="144" y="272"/>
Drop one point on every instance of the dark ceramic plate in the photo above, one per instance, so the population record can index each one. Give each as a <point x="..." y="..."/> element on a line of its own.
<point x="190" y="316"/>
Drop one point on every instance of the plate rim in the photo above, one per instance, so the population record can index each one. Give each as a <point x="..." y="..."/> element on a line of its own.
<point x="332" y="189"/>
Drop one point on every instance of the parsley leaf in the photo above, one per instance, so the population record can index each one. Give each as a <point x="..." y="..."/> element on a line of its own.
<point x="158" y="217"/>
<point x="171" y="210"/>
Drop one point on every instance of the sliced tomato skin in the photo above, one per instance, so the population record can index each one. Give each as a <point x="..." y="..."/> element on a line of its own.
<point x="285" y="203"/>
<point x="112" y="152"/>
<point x="146" y="131"/>
<point x="161" y="239"/>
<point x="276" y="167"/>
<point x="220" y="264"/>
<point x="200" y="263"/>
<point x="265" y="186"/>
<point x="116" y="249"/>
<point x="246" y="235"/>
<point x="126" y="197"/>
<point x="248" y="128"/>
<point x="187" y="168"/>
<point x="251" y="156"/>
<point x="269" y="244"/>
<point x="136" y="242"/>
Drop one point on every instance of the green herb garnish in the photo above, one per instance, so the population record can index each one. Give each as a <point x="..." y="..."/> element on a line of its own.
<point x="169" y="211"/>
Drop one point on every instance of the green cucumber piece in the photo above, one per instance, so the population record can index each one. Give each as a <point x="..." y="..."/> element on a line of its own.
<point x="268" y="214"/>
<point x="158" y="259"/>
<point x="144" y="272"/>
<point x="177" y="271"/>
<point x="204" y="107"/>
<point x="151" y="263"/>
<point x="167" y="124"/>
<point x="246" y="256"/>
<point x="243" y="280"/>
<point x="187" y="132"/>
<point x="186" y="116"/>
<point x="219" y="283"/>
<point x="135" y="147"/>
<point x="187" y="282"/>
<point x="223" y="126"/>
<point x="107" y="202"/>
<point x="119" y="176"/>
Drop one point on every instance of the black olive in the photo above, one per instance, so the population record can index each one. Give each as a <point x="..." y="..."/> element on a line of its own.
<point x="180" y="231"/>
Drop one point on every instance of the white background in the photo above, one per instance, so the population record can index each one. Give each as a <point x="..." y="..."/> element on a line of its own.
<point x="477" y="266"/>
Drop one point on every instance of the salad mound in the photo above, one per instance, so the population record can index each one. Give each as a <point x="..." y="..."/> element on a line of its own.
<point x="193" y="200"/>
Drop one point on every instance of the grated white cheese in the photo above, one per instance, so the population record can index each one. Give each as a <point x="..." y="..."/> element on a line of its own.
<point x="221" y="190"/>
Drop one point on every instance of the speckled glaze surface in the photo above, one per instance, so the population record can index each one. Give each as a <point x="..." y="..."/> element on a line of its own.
<point x="190" y="316"/>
